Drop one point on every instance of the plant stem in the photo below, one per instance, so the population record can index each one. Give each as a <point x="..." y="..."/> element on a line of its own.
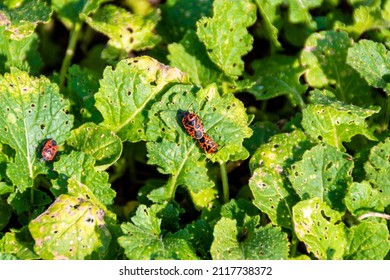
<point x="294" y="244"/>
<point x="225" y="182"/>
<point x="74" y="35"/>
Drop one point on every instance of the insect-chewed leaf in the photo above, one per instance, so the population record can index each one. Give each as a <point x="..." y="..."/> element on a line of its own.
<point x="175" y="152"/>
<point x="97" y="141"/>
<point x="323" y="172"/>
<point x="127" y="32"/>
<point x="377" y="169"/>
<point x="269" y="184"/>
<point x="362" y="198"/>
<point x="80" y="166"/>
<point x="22" y="20"/>
<point x="368" y="241"/>
<point x="261" y="243"/>
<point x="225" y="35"/>
<point x="82" y="84"/>
<point x="325" y="55"/>
<point x="278" y="75"/>
<point x="372" y="61"/>
<point x="71" y="228"/>
<point x="16" y="245"/>
<point x="190" y="56"/>
<point x="143" y="239"/>
<point x="31" y="111"/>
<point x="335" y="122"/>
<point x="320" y="228"/>
<point x="126" y="92"/>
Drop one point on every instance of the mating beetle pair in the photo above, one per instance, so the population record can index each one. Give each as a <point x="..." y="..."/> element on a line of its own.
<point x="195" y="129"/>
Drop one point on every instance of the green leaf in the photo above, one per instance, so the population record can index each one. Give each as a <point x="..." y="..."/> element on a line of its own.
<point x="21" y="21"/>
<point x="368" y="241"/>
<point x="203" y="198"/>
<point x="143" y="239"/>
<point x="323" y="172"/>
<point x="269" y="165"/>
<point x="176" y="153"/>
<point x="127" y="32"/>
<point x="299" y="10"/>
<point x="7" y="257"/>
<point x="179" y="16"/>
<point x="80" y="166"/>
<point x="278" y="75"/>
<point x="98" y="142"/>
<point x="72" y="11"/>
<point x="28" y="204"/>
<point x="32" y="111"/>
<point x="320" y="228"/>
<point x="362" y="198"/>
<point x="334" y="122"/>
<point x="18" y="243"/>
<point x="377" y="170"/>
<point x="372" y="61"/>
<point x="201" y="237"/>
<point x="325" y="55"/>
<point x="82" y="84"/>
<point x="240" y="210"/>
<point x="190" y="56"/>
<point x="225" y="35"/>
<point x="270" y="18"/>
<point x="364" y="19"/>
<point x="127" y="92"/>
<point x="71" y="228"/>
<point x="22" y="54"/>
<point x="237" y="243"/>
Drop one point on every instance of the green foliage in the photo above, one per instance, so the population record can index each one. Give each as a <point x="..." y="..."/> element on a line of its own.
<point x="294" y="95"/>
<point x="178" y="16"/>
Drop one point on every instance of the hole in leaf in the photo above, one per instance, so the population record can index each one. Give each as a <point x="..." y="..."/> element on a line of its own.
<point x="324" y="216"/>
